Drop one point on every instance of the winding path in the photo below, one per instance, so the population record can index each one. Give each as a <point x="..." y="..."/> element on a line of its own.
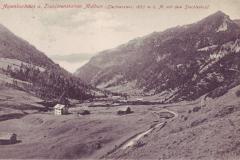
<point x="137" y="137"/>
<point x="134" y="139"/>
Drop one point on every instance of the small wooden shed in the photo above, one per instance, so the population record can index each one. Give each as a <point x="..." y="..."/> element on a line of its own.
<point x="8" y="138"/>
<point x="124" y="110"/>
<point x="60" y="109"/>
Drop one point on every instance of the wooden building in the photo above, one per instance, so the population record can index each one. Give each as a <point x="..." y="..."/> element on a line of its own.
<point x="8" y="138"/>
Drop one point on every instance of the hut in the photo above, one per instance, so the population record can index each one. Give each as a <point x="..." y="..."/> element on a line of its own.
<point x="60" y="109"/>
<point x="8" y="138"/>
<point x="126" y="110"/>
<point x="83" y="112"/>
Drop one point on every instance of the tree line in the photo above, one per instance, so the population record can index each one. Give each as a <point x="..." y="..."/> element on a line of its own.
<point x="50" y="83"/>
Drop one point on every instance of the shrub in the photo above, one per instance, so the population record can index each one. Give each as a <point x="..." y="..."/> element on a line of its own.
<point x="196" y="109"/>
<point x="84" y="112"/>
<point x="238" y="93"/>
<point x="226" y="111"/>
<point x="139" y="144"/>
<point x="198" y="122"/>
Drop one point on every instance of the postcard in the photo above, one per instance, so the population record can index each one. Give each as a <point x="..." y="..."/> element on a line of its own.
<point x="107" y="79"/>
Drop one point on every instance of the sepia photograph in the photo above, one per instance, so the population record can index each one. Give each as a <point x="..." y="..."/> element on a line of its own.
<point x="127" y="80"/>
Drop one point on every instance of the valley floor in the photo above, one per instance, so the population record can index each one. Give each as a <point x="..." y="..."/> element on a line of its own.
<point x="201" y="129"/>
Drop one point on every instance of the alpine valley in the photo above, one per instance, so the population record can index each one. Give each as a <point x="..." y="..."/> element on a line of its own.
<point x="168" y="95"/>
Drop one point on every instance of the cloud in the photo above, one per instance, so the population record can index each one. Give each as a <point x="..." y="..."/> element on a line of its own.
<point x="82" y="31"/>
<point x="86" y="21"/>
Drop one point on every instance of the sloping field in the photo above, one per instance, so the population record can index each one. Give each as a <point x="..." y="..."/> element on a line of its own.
<point x="72" y="136"/>
<point x="201" y="129"/>
<point x="16" y="104"/>
<point x="207" y="130"/>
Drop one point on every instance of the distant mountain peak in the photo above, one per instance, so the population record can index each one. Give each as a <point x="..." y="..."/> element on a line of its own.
<point x="219" y="12"/>
<point x="217" y="16"/>
<point x="218" y="22"/>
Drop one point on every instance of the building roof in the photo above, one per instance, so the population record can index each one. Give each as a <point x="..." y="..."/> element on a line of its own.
<point x="59" y="106"/>
<point x="6" y="136"/>
<point x="125" y="108"/>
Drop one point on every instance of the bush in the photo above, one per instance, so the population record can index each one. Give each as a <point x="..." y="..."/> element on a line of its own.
<point x="238" y="93"/>
<point x="196" y="109"/>
<point x="226" y="111"/>
<point x="139" y="144"/>
<point x="198" y="122"/>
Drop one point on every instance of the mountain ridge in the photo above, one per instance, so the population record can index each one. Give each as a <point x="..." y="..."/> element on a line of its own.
<point x="155" y="63"/>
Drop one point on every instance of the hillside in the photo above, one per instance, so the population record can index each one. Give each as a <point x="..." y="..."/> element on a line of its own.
<point x="11" y="46"/>
<point x="205" y="129"/>
<point x="24" y="67"/>
<point x="180" y="63"/>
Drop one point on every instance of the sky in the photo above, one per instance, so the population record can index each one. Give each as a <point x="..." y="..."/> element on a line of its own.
<point x="85" y="29"/>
